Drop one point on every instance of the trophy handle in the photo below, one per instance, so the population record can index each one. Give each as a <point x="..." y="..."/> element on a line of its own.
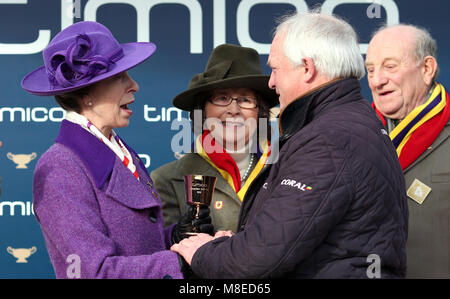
<point x="10" y="156"/>
<point x="33" y="249"/>
<point x="10" y="250"/>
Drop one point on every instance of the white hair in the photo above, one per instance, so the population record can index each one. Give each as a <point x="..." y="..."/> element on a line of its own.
<point x="328" y="40"/>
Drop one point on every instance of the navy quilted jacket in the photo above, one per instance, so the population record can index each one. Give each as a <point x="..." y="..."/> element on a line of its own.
<point x="332" y="206"/>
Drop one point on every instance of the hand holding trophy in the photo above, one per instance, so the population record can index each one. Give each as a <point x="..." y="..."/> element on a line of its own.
<point x="199" y="194"/>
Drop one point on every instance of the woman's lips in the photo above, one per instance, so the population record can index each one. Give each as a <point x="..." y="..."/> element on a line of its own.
<point x="232" y="124"/>
<point x="126" y="109"/>
<point x="385" y="93"/>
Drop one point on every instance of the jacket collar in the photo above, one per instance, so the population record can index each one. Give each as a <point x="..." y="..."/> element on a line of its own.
<point x="302" y="110"/>
<point x="98" y="158"/>
<point x="443" y="136"/>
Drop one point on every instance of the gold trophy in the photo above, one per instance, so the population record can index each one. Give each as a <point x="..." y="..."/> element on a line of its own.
<point x="199" y="191"/>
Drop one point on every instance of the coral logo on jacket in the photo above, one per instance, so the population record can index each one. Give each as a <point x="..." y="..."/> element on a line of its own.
<point x="295" y="184"/>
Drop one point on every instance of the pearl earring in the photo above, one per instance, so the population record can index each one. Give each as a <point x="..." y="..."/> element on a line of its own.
<point x="89" y="103"/>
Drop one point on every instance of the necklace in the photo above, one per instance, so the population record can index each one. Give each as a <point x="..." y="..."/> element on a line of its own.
<point x="247" y="172"/>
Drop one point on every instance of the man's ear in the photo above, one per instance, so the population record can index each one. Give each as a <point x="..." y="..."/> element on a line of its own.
<point x="309" y="70"/>
<point x="429" y="69"/>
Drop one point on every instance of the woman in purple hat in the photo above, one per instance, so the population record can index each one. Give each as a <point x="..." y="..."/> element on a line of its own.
<point x="96" y="204"/>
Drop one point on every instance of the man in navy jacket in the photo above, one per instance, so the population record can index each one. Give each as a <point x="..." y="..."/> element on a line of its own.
<point x="334" y="204"/>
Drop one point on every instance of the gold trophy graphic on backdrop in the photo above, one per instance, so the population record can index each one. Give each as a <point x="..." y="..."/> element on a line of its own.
<point x="21" y="160"/>
<point x="21" y="254"/>
<point x="199" y="191"/>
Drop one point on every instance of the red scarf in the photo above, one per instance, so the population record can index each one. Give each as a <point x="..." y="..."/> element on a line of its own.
<point x="421" y="127"/>
<point x="221" y="158"/>
<point x="218" y="157"/>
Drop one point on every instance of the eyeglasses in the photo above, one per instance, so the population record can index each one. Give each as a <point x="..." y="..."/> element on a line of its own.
<point x="246" y="102"/>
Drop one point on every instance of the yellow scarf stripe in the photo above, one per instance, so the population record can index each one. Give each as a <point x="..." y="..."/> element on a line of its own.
<point x="259" y="166"/>
<point x="262" y="161"/>
<point x="438" y="89"/>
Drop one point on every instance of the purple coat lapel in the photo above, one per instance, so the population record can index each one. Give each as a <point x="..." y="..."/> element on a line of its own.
<point x="97" y="157"/>
<point x="103" y="164"/>
<point x="124" y="188"/>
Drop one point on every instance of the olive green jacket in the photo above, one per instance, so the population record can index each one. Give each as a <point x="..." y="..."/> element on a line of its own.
<point x="169" y="182"/>
<point x="428" y="245"/>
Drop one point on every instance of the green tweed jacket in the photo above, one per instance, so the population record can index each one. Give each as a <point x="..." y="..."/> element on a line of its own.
<point x="428" y="245"/>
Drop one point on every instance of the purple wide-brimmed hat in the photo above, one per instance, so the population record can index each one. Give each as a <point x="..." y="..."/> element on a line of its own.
<point x="82" y="54"/>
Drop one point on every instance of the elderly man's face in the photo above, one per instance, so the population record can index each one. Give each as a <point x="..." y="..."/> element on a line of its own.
<point x="285" y="79"/>
<point x="395" y="77"/>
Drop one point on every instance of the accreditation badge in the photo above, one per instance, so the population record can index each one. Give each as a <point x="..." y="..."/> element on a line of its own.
<point x="218" y="205"/>
<point x="418" y="191"/>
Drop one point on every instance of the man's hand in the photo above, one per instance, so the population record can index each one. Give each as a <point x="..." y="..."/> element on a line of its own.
<point x="223" y="233"/>
<point x="187" y="247"/>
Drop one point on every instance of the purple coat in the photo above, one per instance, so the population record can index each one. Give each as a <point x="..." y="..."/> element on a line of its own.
<point x="89" y="205"/>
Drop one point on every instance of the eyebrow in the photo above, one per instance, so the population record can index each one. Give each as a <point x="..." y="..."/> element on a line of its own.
<point x="384" y="60"/>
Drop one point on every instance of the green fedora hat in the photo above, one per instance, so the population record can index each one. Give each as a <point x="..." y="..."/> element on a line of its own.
<point x="229" y="66"/>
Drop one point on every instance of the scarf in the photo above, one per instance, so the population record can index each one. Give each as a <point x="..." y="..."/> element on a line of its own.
<point x="217" y="156"/>
<point x="113" y="142"/>
<point x="414" y="134"/>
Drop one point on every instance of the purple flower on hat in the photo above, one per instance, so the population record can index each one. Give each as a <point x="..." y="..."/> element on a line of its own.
<point x="77" y="63"/>
<point x="82" y="54"/>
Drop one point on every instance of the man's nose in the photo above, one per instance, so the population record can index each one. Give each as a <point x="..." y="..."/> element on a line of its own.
<point x="272" y="81"/>
<point x="378" y="79"/>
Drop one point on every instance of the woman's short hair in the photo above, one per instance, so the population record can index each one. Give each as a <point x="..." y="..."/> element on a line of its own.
<point x="328" y="40"/>
<point x="70" y="101"/>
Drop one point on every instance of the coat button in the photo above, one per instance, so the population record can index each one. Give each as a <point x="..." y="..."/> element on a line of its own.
<point x="153" y="218"/>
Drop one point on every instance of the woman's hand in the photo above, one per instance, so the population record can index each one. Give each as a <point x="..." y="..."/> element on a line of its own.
<point x="188" y="222"/>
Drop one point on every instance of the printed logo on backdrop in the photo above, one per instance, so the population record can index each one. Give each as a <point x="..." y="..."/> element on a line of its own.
<point x="21" y="254"/>
<point x="57" y="114"/>
<point x="71" y="10"/>
<point x="16" y="208"/>
<point x="146" y="159"/>
<point x="36" y="114"/>
<point x="21" y="160"/>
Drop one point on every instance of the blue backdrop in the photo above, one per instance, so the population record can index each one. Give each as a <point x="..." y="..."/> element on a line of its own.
<point x="185" y="32"/>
